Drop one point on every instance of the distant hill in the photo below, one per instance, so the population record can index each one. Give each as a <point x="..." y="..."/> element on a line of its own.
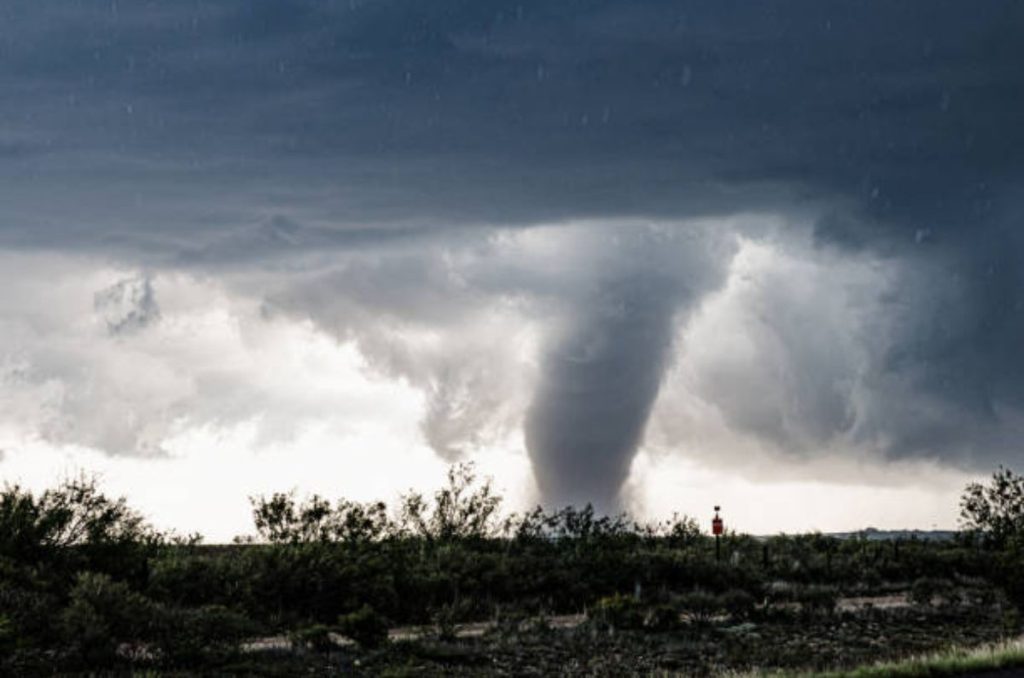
<point x="874" y="534"/>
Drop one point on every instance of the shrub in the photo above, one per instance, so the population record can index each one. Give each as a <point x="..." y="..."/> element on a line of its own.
<point x="739" y="604"/>
<point x="927" y="591"/>
<point x="509" y="622"/>
<point x="316" y="638"/>
<point x="617" y="612"/>
<point x="661" y="618"/>
<point x="1009" y="575"/>
<point x="1011" y="622"/>
<point x="995" y="510"/>
<point x="780" y="592"/>
<point x="75" y="527"/>
<point x="365" y="626"/>
<point x="446" y="620"/>
<point x="190" y="580"/>
<point x="101" y="615"/>
<point x="462" y="509"/>
<point x="28" y="608"/>
<point x="7" y="636"/>
<point x="210" y="634"/>
<point x="540" y="625"/>
<point x="701" y="605"/>
<point x="818" y="600"/>
<point x="281" y="519"/>
<point x="982" y="596"/>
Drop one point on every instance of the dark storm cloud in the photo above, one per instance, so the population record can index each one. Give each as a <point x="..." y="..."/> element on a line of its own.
<point x="512" y="112"/>
<point x="220" y="134"/>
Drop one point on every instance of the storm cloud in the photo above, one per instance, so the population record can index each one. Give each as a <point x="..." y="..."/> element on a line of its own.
<point x="537" y="212"/>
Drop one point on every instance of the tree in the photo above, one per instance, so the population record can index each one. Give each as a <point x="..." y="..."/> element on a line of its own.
<point x="73" y="519"/>
<point x="996" y="510"/>
<point x="462" y="509"/>
<point x="282" y="520"/>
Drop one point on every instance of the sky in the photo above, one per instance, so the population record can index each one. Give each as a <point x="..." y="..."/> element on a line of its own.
<point x="651" y="255"/>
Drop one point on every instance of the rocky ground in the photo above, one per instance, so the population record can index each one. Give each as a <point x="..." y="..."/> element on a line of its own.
<point x="855" y="634"/>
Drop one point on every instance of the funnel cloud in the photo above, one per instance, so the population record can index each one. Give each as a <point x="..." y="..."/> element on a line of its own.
<point x="596" y="389"/>
<point x="601" y="372"/>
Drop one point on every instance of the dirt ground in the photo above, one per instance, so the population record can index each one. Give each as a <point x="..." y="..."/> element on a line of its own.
<point x="477" y="629"/>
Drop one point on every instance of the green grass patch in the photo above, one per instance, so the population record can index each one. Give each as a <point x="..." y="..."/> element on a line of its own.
<point x="952" y="662"/>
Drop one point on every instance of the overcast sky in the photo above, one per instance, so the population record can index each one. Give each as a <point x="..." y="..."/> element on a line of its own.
<point x="650" y="254"/>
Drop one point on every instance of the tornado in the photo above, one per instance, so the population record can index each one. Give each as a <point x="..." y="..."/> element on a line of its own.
<point x="598" y="383"/>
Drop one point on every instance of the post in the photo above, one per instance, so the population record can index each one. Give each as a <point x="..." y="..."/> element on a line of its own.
<point x="716" y="529"/>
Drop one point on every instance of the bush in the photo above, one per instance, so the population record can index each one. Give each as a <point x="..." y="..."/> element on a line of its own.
<point x="446" y="619"/>
<point x="928" y="591"/>
<point x="996" y="511"/>
<point x="617" y="612"/>
<point x="739" y="604"/>
<point x="29" y="609"/>
<point x="101" y="616"/>
<point x="701" y="605"/>
<point x="316" y="638"/>
<point x="7" y="636"/>
<point x="365" y="626"/>
<point x="1008" y="574"/>
<point x="191" y="637"/>
<point x="191" y="580"/>
<point x="661" y="618"/>
<point x="282" y="520"/>
<point x="462" y="509"/>
<point x="818" y="600"/>
<point x="75" y="527"/>
<point x="982" y="596"/>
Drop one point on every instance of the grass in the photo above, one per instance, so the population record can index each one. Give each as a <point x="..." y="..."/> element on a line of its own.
<point x="952" y="662"/>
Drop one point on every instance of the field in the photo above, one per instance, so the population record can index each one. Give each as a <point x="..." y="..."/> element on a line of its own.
<point x="445" y="585"/>
<point x="546" y="646"/>
<point x="621" y="636"/>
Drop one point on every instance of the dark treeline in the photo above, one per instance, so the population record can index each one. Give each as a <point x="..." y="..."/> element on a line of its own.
<point x="86" y="583"/>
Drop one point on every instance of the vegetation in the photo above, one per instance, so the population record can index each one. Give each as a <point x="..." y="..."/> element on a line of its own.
<point x="996" y="511"/>
<point x="445" y="584"/>
<point x="954" y="662"/>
